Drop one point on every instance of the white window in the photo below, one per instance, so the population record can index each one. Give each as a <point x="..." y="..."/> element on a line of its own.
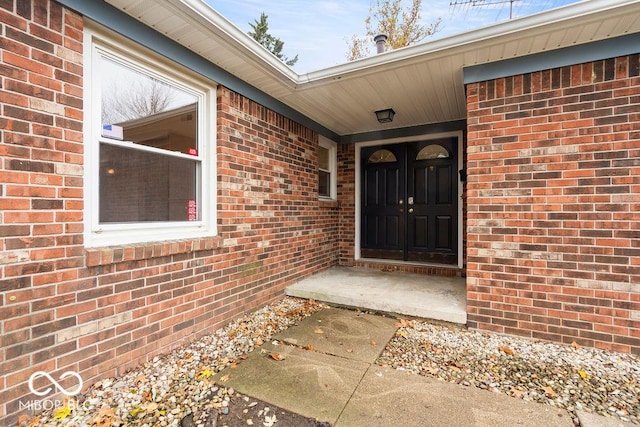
<point x="327" y="169"/>
<point x="150" y="162"/>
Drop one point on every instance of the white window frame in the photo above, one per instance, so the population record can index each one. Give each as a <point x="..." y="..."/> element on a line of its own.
<point x="99" y="42"/>
<point x="332" y="147"/>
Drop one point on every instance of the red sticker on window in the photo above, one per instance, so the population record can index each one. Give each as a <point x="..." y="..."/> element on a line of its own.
<point x="192" y="210"/>
<point x="192" y="151"/>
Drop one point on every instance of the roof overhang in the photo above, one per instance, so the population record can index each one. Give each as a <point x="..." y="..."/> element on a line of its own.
<point x="423" y="83"/>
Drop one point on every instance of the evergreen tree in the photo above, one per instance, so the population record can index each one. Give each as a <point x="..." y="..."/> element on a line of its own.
<point x="261" y="34"/>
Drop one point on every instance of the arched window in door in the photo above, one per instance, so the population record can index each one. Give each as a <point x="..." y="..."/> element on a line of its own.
<point x="382" y="156"/>
<point x="433" y="151"/>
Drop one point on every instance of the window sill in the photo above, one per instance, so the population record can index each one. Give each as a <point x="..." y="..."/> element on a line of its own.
<point x="327" y="199"/>
<point x="140" y="251"/>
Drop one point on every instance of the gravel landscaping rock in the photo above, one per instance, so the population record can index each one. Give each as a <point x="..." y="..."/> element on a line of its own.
<point x="566" y="376"/>
<point x="176" y="389"/>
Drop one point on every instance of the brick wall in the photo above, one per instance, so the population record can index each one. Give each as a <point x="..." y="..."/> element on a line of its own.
<point x="554" y="204"/>
<point x="347" y="202"/>
<point x="102" y="311"/>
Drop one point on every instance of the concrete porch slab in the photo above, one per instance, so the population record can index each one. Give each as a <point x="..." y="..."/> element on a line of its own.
<point x="430" y="297"/>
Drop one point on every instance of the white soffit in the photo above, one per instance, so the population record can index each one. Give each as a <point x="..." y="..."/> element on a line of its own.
<point x="423" y="83"/>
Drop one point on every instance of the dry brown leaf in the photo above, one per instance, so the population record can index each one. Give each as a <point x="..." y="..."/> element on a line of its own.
<point x="243" y="357"/>
<point x="318" y="331"/>
<point x="259" y="342"/>
<point x="506" y="350"/>
<point x="104" y="418"/>
<point x="28" y="421"/>
<point x="277" y="356"/>
<point x="549" y="391"/>
<point x="224" y="378"/>
<point x="432" y="370"/>
<point x="404" y="323"/>
<point x="575" y="345"/>
<point x="518" y="393"/>
<point x="234" y="365"/>
<point x="372" y="343"/>
<point x="309" y="347"/>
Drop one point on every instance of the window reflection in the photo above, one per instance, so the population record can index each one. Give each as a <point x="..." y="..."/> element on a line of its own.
<point x="139" y="108"/>
<point x="382" y="156"/>
<point x="433" y="151"/>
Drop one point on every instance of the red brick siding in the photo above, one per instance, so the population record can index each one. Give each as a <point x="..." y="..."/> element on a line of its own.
<point x="100" y="312"/>
<point x="347" y="202"/>
<point x="554" y="204"/>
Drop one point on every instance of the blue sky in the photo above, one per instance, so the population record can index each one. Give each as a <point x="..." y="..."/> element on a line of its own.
<point x="318" y="30"/>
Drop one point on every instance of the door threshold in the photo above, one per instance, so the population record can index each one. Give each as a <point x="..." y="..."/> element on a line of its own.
<point x="446" y="270"/>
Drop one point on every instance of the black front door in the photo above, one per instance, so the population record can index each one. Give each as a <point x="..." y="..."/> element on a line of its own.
<point x="409" y="201"/>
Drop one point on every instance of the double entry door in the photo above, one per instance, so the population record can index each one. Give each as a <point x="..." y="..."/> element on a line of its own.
<point x="409" y="202"/>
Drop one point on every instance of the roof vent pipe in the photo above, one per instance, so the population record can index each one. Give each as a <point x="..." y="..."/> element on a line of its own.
<point x="381" y="42"/>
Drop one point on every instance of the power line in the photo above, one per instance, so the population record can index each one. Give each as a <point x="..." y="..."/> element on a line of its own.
<point x="484" y="3"/>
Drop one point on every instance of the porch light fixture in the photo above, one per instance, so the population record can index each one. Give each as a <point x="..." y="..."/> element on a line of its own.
<point x="385" y="116"/>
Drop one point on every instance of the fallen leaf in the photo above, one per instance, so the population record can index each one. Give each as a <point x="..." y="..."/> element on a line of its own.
<point x="61" y="413"/>
<point x="234" y="365"/>
<point x="243" y="357"/>
<point x="269" y="420"/>
<point x="259" y="342"/>
<point x="135" y="411"/>
<point x="372" y="343"/>
<point x="104" y="418"/>
<point x="583" y="374"/>
<point x="204" y="373"/>
<point x="401" y="334"/>
<point x="309" y="347"/>
<point x="575" y="345"/>
<point x="432" y="370"/>
<point x="28" y="421"/>
<point x="404" y="323"/>
<point x="224" y="378"/>
<point x="349" y="350"/>
<point x="249" y="422"/>
<point x="318" y="331"/>
<point x="549" y="391"/>
<point x="277" y="356"/>
<point x="518" y="393"/>
<point x="506" y="350"/>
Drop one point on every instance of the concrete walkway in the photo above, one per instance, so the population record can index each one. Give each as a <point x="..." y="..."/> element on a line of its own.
<point x="429" y="297"/>
<point x="328" y="373"/>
